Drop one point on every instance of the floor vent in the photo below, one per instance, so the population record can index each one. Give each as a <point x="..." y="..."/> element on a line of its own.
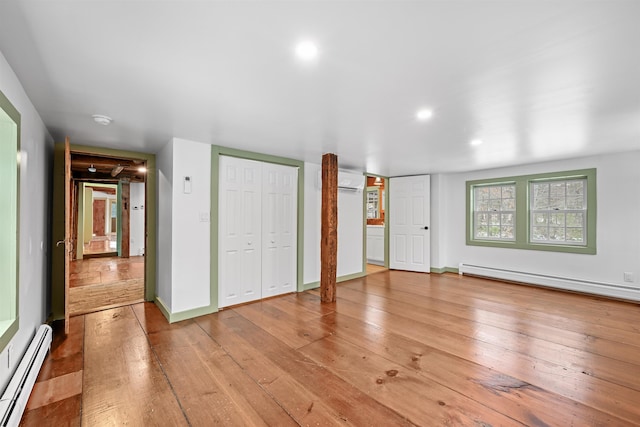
<point x="15" y="397"/>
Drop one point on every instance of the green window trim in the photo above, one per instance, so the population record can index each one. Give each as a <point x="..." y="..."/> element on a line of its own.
<point x="9" y="315"/>
<point x="523" y="239"/>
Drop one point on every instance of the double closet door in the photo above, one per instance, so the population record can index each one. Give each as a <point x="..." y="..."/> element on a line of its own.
<point x="257" y="230"/>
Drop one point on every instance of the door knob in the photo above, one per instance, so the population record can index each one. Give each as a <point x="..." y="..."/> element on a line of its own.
<point x="59" y="242"/>
<point x="426" y="228"/>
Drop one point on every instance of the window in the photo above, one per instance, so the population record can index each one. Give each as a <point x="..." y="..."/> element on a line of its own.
<point x="558" y="211"/>
<point x="9" y="149"/>
<point x="550" y="212"/>
<point x="494" y="212"/>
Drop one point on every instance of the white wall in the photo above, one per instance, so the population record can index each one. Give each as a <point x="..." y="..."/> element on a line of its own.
<point x="618" y="228"/>
<point x="191" y="225"/>
<point x="184" y="225"/>
<point x="350" y="228"/>
<point x="164" y="231"/>
<point x="136" y="218"/>
<point x="35" y="174"/>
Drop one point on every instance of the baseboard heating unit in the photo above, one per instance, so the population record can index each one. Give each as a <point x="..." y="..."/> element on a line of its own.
<point x="578" y="285"/>
<point x="15" y="397"/>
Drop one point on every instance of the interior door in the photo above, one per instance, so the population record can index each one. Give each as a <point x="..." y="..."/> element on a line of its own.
<point x="68" y="246"/>
<point x="279" y="229"/>
<point x="409" y="215"/>
<point x="239" y="272"/>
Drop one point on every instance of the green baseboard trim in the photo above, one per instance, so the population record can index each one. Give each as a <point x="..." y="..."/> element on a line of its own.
<point x="351" y="276"/>
<point x="309" y="286"/>
<point x="316" y="285"/>
<point x="443" y="270"/>
<point x="183" y="315"/>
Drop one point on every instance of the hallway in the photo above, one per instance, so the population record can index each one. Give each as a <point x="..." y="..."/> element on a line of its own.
<point x="100" y="283"/>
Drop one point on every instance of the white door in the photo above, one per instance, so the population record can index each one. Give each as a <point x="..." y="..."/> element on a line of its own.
<point x="239" y="243"/>
<point x="409" y="215"/>
<point x="279" y="229"/>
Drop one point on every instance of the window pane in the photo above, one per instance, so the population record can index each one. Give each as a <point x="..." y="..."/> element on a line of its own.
<point x="575" y="202"/>
<point x="508" y="204"/>
<point x="507" y="219"/>
<point x="482" y="193"/>
<point x="556" y="233"/>
<point x="482" y="205"/>
<point x="575" y="235"/>
<point x="509" y="192"/>
<point x="575" y="187"/>
<point x="556" y="219"/>
<point x="540" y="233"/>
<point x="482" y="219"/>
<point x="506" y="232"/>
<point x="494" y="219"/>
<point x="494" y="231"/>
<point x="495" y="192"/>
<point x="540" y="218"/>
<point x="575" y="220"/>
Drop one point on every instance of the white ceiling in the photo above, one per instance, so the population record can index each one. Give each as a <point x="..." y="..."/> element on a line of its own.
<point x="535" y="80"/>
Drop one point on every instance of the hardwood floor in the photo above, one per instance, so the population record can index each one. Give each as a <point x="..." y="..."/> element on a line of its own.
<point x="101" y="245"/>
<point x="101" y="283"/>
<point x="374" y="268"/>
<point x="397" y="348"/>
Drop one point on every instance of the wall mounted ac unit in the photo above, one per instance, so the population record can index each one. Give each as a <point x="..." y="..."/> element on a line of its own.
<point x="347" y="181"/>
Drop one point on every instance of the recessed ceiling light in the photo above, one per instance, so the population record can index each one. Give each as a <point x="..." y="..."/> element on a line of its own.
<point x="475" y="142"/>
<point x="424" y="114"/>
<point x="142" y="169"/>
<point x="101" y="119"/>
<point x="306" y="50"/>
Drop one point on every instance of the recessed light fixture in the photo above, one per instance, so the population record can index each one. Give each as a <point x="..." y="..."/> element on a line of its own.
<point x="92" y="168"/>
<point x="424" y="114"/>
<point x="102" y="120"/>
<point x="306" y="51"/>
<point x="476" y="142"/>
<point x="142" y="169"/>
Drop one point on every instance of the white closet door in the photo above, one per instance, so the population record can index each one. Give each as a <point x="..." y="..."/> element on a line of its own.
<point x="240" y="260"/>
<point x="279" y="229"/>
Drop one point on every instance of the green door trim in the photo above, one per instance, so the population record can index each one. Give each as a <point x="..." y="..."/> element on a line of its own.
<point x="216" y="152"/>
<point x="57" y="279"/>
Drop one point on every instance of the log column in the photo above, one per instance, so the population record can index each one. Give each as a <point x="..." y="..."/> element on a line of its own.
<point x="329" y="231"/>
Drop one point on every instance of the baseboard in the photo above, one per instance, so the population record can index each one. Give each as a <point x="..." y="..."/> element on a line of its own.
<point x="182" y="315"/>
<point x="316" y="285"/>
<point x="443" y="270"/>
<point x="611" y="290"/>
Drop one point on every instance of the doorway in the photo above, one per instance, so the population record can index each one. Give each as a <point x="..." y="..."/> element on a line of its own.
<point x="107" y="268"/>
<point x="375" y="216"/>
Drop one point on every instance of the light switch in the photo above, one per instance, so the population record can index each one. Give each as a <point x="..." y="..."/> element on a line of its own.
<point x="187" y="185"/>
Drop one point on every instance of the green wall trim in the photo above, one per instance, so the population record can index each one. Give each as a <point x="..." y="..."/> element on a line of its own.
<point x="14" y="326"/>
<point x="182" y="315"/>
<point x="351" y="277"/>
<point x="216" y="152"/>
<point x="442" y="270"/>
<point x="522" y="215"/>
<point x="385" y="202"/>
<point x="316" y="285"/>
<point x="9" y="333"/>
<point x="151" y="206"/>
<point x="311" y="285"/>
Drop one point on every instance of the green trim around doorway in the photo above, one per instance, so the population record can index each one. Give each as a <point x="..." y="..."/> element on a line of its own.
<point x="10" y="314"/>
<point x="57" y="279"/>
<point x="216" y="152"/>
<point x="386" y="222"/>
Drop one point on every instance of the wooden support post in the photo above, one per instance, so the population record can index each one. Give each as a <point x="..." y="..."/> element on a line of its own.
<point x="329" y="231"/>
<point x="125" y="243"/>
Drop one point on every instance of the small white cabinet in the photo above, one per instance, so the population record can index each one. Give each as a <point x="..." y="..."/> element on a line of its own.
<point x="375" y="244"/>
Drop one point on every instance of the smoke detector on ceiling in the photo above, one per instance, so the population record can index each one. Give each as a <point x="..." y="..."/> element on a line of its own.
<point x="101" y="119"/>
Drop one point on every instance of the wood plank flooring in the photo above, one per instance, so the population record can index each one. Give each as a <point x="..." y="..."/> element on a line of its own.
<point x="101" y="283"/>
<point x="397" y="348"/>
